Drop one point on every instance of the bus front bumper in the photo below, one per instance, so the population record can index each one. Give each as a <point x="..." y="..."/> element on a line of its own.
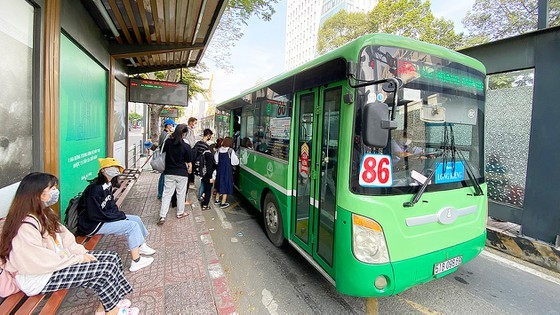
<point x="358" y="279"/>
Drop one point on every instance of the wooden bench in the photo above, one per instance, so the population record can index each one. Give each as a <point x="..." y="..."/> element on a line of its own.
<point x="20" y="303"/>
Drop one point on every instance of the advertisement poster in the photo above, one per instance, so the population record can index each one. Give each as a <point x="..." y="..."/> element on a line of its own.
<point x="280" y="128"/>
<point x="119" y="112"/>
<point x="83" y="119"/>
<point x="16" y="51"/>
<point x="119" y="123"/>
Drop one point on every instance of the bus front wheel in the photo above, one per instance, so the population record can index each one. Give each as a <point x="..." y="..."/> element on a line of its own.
<point x="273" y="221"/>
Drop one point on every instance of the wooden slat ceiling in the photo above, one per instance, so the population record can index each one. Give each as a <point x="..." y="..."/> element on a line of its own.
<point x="152" y="35"/>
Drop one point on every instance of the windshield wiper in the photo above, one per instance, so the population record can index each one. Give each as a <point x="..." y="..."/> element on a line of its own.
<point x="420" y="191"/>
<point x="449" y="146"/>
<point x="477" y="189"/>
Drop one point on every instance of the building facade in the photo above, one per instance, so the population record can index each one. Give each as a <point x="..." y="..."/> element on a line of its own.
<point x="303" y="20"/>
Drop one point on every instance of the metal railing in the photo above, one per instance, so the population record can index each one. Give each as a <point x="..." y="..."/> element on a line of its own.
<point x="134" y="154"/>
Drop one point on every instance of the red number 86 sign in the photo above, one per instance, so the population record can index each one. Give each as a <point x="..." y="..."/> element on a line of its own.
<point x="376" y="171"/>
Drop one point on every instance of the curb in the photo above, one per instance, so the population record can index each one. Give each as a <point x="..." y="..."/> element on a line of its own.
<point x="221" y="293"/>
<point x="536" y="252"/>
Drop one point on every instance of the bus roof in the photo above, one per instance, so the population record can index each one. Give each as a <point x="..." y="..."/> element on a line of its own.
<point x="350" y="51"/>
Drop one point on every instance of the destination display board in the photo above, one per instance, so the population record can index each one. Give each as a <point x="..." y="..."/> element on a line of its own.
<point x="158" y="92"/>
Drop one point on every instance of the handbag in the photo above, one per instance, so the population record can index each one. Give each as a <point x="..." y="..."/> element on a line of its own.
<point x="8" y="284"/>
<point x="158" y="160"/>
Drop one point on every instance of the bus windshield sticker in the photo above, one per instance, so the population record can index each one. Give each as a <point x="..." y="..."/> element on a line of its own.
<point x="454" y="172"/>
<point x="376" y="171"/>
<point x="419" y="177"/>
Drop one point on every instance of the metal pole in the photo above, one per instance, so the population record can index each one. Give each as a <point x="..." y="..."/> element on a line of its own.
<point x="134" y="153"/>
<point x="542" y="22"/>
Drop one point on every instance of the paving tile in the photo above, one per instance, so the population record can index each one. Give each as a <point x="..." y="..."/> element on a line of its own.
<point x="185" y="277"/>
<point x="149" y="300"/>
<point x="193" y="296"/>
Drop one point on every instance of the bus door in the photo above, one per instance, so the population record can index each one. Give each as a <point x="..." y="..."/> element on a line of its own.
<point x="316" y="173"/>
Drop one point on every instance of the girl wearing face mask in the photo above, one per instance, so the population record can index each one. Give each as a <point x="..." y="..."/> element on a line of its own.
<point x="102" y="215"/>
<point x="45" y="256"/>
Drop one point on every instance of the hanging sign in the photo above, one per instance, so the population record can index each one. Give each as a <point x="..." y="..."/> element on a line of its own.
<point x="304" y="161"/>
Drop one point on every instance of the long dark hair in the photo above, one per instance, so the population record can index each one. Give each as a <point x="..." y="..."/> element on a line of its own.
<point x="28" y="201"/>
<point x="179" y="133"/>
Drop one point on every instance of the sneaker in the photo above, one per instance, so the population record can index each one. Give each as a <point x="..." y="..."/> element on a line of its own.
<point x="128" y="311"/>
<point x="217" y="202"/>
<point x="161" y="221"/>
<point x="143" y="262"/>
<point x="124" y="303"/>
<point x="224" y="205"/>
<point x="146" y="250"/>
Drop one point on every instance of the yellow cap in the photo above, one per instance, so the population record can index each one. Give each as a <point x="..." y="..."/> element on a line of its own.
<point x="108" y="162"/>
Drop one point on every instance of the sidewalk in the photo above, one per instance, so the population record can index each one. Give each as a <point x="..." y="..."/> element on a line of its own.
<point x="507" y="237"/>
<point x="186" y="276"/>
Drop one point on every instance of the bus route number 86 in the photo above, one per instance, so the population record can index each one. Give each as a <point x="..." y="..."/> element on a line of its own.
<point x="376" y="171"/>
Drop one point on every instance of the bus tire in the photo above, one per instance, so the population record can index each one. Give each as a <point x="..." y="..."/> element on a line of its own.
<point x="273" y="221"/>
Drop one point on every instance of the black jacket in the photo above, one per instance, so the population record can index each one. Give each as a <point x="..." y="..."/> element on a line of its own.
<point x="100" y="208"/>
<point x="210" y="166"/>
<point x="176" y="157"/>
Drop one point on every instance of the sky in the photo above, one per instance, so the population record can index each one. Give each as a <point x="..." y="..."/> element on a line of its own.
<point x="259" y="55"/>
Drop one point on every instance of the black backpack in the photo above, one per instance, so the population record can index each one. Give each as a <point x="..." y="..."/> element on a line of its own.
<point x="200" y="164"/>
<point x="76" y="206"/>
<point x="199" y="148"/>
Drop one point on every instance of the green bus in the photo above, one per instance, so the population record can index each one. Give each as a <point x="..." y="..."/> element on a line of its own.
<point x="368" y="160"/>
<point x="218" y="123"/>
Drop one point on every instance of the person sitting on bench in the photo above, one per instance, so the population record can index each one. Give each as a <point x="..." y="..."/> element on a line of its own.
<point x="102" y="215"/>
<point x="45" y="257"/>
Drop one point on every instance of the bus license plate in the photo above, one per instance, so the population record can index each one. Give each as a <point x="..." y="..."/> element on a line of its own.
<point x="448" y="264"/>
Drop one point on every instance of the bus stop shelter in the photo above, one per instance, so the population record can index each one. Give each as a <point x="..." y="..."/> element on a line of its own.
<point x="67" y="65"/>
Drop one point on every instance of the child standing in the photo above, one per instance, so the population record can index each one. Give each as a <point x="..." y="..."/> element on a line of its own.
<point x="226" y="159"/>
<point x="208" y="175"/>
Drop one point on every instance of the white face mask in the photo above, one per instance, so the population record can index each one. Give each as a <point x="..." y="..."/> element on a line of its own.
<point x="112" y="171"/>
<point x="54" y="197"/>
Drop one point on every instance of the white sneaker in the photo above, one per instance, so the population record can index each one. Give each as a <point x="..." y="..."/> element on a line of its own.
<point x="143" y="262"/>
<point x="146" y="250"/>
<point x="128" y="311"/>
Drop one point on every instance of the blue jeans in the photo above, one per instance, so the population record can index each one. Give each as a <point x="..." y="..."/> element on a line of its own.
<point x="200" y="189"/>
<point x="160" y="185"/>
<point x="133" y="228"/>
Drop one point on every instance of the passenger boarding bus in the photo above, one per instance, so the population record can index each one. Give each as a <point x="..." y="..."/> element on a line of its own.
<point x="369" y="161"/>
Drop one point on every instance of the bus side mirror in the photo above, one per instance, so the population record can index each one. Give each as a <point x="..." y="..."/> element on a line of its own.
<point x="376" y="125"/>
<point x="350" y="69"/>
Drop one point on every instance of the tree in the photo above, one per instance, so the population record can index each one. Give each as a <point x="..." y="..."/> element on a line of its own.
<point x="229" y="30"/>
<point x="511" y="79"/>
<point x="490" y="20"/>
<point x="340" y="29"/>
<point x="134" y="118"/>
<point x="409" y="18"/>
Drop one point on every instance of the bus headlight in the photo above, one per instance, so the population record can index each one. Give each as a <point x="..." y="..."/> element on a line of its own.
<point x="368" y="241"/>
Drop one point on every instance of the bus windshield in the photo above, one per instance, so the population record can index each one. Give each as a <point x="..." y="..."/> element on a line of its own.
<point x="439" y="115"/>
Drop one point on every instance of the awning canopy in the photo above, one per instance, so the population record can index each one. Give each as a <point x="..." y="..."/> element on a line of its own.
<point x="153" y="35"/>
